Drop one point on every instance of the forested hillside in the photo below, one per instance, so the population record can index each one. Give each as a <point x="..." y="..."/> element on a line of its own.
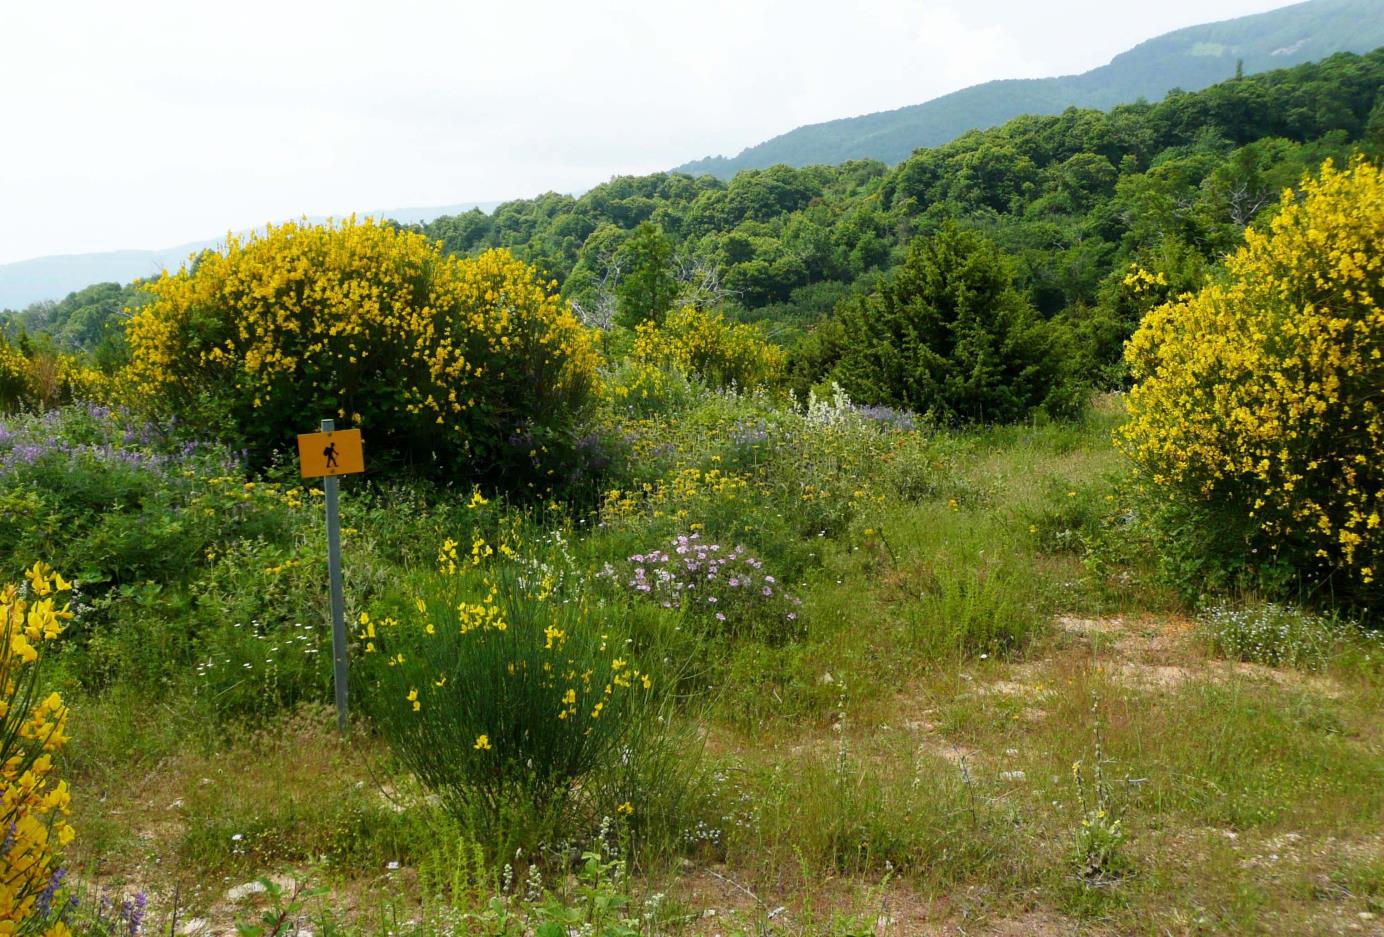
<point x="1189" y="59"/>
<point x="84" y="320"/>
<point x="1073" y="199"/>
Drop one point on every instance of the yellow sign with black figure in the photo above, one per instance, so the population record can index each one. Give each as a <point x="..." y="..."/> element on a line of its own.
<point x="336" y="453"/>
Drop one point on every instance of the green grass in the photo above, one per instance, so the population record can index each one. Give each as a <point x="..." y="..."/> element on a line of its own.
<point x="909" y="753"/>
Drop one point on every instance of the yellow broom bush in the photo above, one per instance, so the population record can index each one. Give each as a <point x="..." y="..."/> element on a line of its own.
<point x="1259" y="401"/>
<point x="33" y="801"/>
<point x="44" y="379"/>
<point x="701" y="342"/>
<point x="455" y="365"/>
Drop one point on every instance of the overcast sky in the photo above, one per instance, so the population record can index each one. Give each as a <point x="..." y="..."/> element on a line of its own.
<point x="148" y="124"/>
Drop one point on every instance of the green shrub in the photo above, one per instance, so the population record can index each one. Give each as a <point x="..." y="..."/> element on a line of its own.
<point x="117" y="500"/>
<point x="507" y="699"/>
<point x="648" y="287"/>
<point x="947" y="334"/>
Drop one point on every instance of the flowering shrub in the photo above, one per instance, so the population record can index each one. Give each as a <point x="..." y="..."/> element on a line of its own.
<point x="728" y="588"/>
<point x="14" y="377"/>
<point x="689" y="492"/>
<point x="460" y="365"/>
<point x="702" y="343"/>
<point x="33" y="801"/>
<point x="186" y="563"/>
<point x="36" y="380"/>
<point x="497" y="692"/>
<point x="645" y="389"/>
<point x="738" y="467"/>
<point x="1257" y="409"/>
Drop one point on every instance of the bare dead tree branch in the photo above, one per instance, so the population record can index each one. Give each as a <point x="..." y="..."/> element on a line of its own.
<point x="699" y="280"/>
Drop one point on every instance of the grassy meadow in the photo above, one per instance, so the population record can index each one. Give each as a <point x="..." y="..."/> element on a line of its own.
<point x="985" y="716"/>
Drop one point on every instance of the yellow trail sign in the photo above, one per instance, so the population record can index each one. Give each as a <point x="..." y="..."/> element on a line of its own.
<point x="333" y="453"/>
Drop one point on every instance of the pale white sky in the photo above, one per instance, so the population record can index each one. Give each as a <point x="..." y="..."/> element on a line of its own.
<point x="148" y="123"/>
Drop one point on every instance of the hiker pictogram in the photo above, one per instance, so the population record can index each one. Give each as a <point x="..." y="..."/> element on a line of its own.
<point x="334" y="453"/>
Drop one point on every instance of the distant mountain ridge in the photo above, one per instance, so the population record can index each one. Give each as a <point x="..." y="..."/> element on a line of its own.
<point x="1189" y="59"/>
<point x="29" y="281"/>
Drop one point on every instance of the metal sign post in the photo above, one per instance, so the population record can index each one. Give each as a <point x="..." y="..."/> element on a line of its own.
<point x="330" y="454"/>
<point x="330" y="485"/>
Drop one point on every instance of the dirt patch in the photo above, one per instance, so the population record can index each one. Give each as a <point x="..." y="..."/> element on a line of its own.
<point x="1153" y="676"/>
<point x="1035" y="692"/>
<point x="1033" y="924"/>
<point x="1156" y="640"/>
<point x="1164" y="653"/>
<point x="1089" y="626"/>
<point x="932" y="742"/>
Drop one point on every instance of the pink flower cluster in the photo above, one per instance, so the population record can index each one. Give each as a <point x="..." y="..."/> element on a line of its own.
<point x="728" y="585"/>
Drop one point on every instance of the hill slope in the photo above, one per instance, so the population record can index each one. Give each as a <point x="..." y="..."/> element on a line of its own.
<point x="1190" y="59"/>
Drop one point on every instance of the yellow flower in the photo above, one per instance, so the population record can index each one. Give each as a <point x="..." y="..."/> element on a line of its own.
<point x="482" y="743"/>
<point x="1257" y="397"/>
<point x="36" y="803"/>
<point x="354" y="310"/>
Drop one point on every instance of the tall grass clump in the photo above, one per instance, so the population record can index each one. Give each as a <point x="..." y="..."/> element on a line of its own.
<point x="960" y="588"/>
<point x="910" y="813"/>
<point x="508" y="697"/>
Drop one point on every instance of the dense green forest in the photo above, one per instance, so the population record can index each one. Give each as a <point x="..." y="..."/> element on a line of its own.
<point x="85" y="320"/>
<point x="1189" y="59"/>
<point x="1071" y="199"/>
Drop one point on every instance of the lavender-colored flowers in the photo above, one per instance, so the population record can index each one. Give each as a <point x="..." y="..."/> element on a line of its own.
<point x="132" y="914"/>
<point x="727" y="586"/>
<point x="126" y="920"/>
<point x="43" y="904"/>
<point x="888" y="418"/>
<point x="97" y="434"/>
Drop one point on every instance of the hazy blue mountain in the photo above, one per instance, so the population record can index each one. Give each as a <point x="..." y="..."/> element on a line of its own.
<point x="42" y="278"/>
<point x="1189" y="59"/>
